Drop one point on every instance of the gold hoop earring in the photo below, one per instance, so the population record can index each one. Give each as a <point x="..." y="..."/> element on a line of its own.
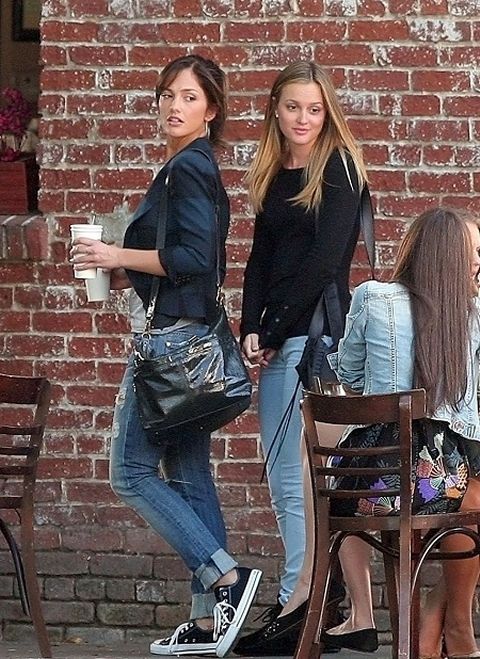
<point x="207" y="130"/>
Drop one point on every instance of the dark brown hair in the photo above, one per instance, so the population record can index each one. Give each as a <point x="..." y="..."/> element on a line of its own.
<point x="434" y="264"/>
<point x="212" y="81"/>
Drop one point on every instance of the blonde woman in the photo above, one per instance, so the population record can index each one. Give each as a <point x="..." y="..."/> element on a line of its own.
<point x="305" y="185"/>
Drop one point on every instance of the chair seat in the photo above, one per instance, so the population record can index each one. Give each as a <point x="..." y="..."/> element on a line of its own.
<point x="392" y="522"/>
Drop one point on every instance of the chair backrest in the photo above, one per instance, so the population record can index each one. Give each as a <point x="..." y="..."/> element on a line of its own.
<point x="402" y="408"/>
<point x="24" y="405"/>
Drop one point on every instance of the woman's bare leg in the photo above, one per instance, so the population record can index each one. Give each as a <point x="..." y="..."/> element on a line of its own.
<point x="461" y="578"/>
<point x="355" y="559"/>
<point x="432" y="620"/>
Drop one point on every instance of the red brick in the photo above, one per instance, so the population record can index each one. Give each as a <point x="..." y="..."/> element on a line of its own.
<point x="93" y="202"/>
<point x="111" y="372"/>
<point x="83" y="8"/>
<point x="87" y="154"/>
<point x="440" y="130"/>
<point x="378" y="31"/>
<point x="254" y="31"/>
<point x="65" y="468"/>
<point x="59" y="80"/>
<point x="53" y="55"/>
<point x="19" y="345"/>
<point x="153" y="8"/>
<point x="460" y="55"/>
<point x="439" y="155"/>
<point x="343" y="54"/>
<point x="316" y="31"/>
<point x="381" y="80"/>
<point x="57" y="444"/>
<point x="96" y="104"/>
<point x="91" y="395"/>
<point x="63" y="179"/>
<point x="61" y="322"/>
<point x="68" y="31"/>
<point x="450" y="81"/>
<point x="60" y="129"/>
<point x="187" y="8"/>
<point x="96" y="347"/>
<point x="127" y="128"/>
<point x="420" y="105"/>
<point x="463" y="106"/>
<point x="132" y="179"/>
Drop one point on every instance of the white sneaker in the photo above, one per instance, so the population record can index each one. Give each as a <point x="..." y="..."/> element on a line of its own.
<point x="188" y="638"/>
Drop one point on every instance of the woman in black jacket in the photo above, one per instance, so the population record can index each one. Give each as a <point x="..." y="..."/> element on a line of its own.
<point x="305" y="185"/>
<point x="181" y="504"/>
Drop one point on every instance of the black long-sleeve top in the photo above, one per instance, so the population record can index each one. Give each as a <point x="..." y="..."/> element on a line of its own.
<point x="295" y="255"/>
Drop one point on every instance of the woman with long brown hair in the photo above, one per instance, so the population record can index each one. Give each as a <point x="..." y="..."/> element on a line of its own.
<point x="420" y="330"/>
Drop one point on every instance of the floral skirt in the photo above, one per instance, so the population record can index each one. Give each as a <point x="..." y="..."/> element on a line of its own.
<point x="442" y="460"/>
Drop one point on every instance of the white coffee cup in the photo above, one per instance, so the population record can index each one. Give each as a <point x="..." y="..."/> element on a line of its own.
<point x="93" y="231"/>
<point x="98" y="289"/>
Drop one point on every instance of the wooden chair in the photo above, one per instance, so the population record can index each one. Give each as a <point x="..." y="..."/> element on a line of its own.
<point x="406" y="540"/>
<point x="24" y="404"/>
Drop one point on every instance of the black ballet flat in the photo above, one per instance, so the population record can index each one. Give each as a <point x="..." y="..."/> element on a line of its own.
<point x="363" y="640"/>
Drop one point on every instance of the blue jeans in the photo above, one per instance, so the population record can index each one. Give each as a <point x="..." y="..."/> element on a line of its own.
<point x="275" y="389"/>
<point x="181" y="502"/>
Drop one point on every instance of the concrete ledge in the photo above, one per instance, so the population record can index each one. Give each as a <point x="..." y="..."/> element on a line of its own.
<point x="23" y="238"/>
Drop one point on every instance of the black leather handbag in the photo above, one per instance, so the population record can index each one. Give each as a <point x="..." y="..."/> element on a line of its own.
<point x="313" y="367"/>
<point x="203" y="385"/>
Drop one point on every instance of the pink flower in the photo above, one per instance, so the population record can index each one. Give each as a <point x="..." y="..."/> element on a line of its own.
<point x="15" y="114"/>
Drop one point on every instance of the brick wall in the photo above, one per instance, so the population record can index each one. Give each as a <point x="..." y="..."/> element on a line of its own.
<point x="407" y="72"/>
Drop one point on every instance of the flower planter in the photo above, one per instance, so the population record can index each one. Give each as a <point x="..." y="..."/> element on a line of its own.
<point x="18" y="185"/>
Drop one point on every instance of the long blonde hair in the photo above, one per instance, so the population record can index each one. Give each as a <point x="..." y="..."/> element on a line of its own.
<point x="272" y="148"/>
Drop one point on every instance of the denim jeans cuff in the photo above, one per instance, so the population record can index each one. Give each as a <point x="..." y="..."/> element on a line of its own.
<point x="202" y="606"/>
<point x="219" y="564"/>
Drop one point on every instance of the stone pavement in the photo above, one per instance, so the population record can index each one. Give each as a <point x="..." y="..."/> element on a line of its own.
<point x="16" y="650"/>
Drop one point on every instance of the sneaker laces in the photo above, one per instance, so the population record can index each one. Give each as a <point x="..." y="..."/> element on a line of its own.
<point x="173" y="639"/>
<point x="223" y="614"/>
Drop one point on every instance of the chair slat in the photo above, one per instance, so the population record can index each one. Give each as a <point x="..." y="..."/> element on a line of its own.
<point x="15" y="450"/>
<point x="20" y="430"/>
<point x="357" y="494"/>
<point x="357" y="471"/>
<point x="15" y="470"/>
<point x="353" y="452"/>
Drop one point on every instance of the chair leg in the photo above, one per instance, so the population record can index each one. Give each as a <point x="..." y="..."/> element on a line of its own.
<point x="309" y="646"/>
<point x="415" y="596"/>
<point x="18" y="565"/>
<point x="404" y="597"/>
<point x="389" y="562"/>
<point x="28" y="554"/>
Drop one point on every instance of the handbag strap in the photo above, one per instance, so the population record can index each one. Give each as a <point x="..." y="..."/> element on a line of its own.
<point x="160" y="243"/>
<point x="366" y="217"/>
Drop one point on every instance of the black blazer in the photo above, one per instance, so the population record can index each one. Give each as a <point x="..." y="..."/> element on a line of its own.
<point x="189" y="256"/>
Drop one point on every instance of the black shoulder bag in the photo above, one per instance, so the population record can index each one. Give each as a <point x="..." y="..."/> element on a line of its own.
<point x="202" y="385"/>
<point x="313" y="369"/>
